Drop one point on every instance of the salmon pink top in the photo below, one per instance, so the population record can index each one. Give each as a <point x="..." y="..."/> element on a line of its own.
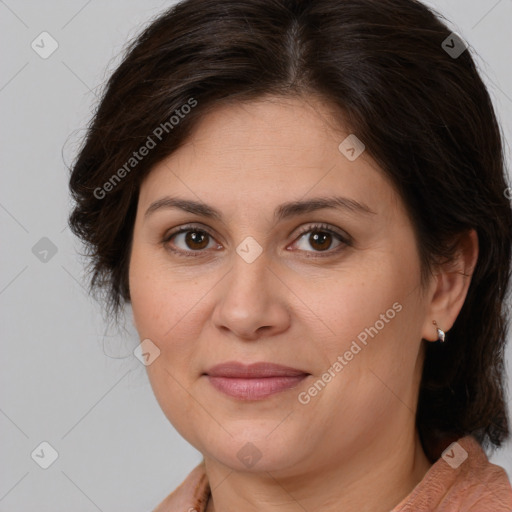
<point x="461" y="480"/>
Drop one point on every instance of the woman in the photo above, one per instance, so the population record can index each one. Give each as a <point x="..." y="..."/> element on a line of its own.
<point x="304" y="202"/>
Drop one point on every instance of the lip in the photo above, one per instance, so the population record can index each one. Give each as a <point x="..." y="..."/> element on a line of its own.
<point x="255" y="381"/>
<point x="236" y="370"/>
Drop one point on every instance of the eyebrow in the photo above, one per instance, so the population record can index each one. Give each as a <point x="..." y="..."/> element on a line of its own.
<point x="283" y="211"/>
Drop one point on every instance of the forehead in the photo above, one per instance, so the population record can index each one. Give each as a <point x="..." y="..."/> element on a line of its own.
<point x="268" y="150"/>
<point x="304" y="119"/>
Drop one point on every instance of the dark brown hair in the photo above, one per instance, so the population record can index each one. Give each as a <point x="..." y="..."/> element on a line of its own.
<point x="424" y="115"/>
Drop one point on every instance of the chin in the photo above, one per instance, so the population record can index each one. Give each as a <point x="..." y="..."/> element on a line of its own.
<point x="255" y="450"/>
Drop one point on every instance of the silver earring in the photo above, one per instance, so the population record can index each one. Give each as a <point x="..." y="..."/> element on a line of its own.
<point x="440" y="333"/>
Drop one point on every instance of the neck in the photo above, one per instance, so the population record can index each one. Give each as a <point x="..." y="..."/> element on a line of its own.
<point x="376" y="479"/>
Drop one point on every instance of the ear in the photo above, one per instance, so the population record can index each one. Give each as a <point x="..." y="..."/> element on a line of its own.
<point x="450" y="286"/>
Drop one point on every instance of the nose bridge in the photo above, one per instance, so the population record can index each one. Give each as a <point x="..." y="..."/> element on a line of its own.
<point x="248" y="279"/>
<point x="249" y="300"/>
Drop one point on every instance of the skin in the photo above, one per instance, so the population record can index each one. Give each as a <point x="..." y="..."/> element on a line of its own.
<point x="299" y="304"/>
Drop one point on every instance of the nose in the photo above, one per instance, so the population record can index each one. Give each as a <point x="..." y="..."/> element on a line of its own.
<point x="251" y="302"/>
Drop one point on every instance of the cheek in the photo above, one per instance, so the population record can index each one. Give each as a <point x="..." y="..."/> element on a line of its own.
<point x="158" y="299"/>
<point x="365" y="304"/>
<point x="163" y="311"/>
<point x="373" y="314"/>
<point x="160" y="314"/>
<point x="169" y="309"/>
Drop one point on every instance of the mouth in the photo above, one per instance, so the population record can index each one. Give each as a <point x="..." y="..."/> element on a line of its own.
<point x="253" y="382"/>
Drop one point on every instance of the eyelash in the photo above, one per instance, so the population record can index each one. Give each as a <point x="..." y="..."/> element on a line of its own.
<point x="323" y="228"/>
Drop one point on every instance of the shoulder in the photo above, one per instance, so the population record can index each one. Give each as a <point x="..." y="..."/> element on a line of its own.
<point x="190" y="496"/>
<point x="461" y="479"/>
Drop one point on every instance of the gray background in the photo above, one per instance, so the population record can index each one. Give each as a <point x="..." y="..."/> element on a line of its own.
<point x="66" y="378"/>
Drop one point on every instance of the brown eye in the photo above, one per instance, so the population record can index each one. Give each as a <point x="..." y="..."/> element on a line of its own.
<point x="195" y="240"/>
<point x="189" y="240"/>
<point x="320" y="240"/>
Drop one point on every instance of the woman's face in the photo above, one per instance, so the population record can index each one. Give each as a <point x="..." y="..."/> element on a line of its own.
<point x="332" y="292"/>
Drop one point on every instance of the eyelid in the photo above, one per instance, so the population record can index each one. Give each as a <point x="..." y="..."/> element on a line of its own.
<point x="343" y="238"/>
<point x="184" y="229"/>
